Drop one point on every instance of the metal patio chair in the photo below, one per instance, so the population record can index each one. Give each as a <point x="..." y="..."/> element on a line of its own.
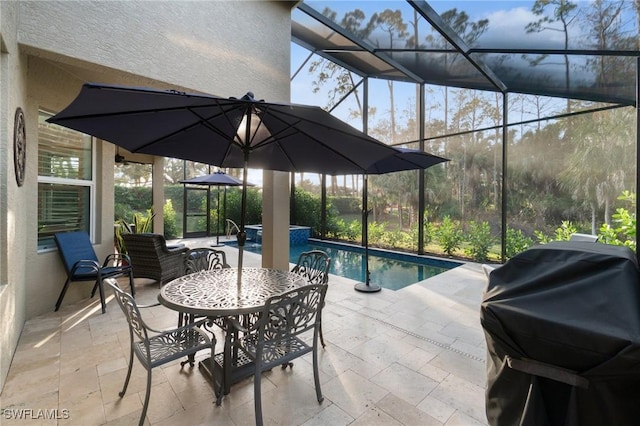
<point x="157" y="347"/>
<point x="201" y="259"/>
<point x="276" y="337"/>
<point x="314" y="266"/>
<point x="81" y="264"/>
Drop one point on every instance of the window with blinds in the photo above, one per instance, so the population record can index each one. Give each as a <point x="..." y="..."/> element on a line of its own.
<point x="65" y="181"/>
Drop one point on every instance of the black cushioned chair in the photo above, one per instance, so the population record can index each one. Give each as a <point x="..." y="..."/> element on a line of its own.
<point x="81" y="263"/>
<point x="151" y="258"/>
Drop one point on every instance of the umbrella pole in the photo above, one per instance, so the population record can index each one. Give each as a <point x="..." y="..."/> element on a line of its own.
<point x="242" y="235"/>
<point x="218" y="218"/>
<point x="366" y="287"/>
<point x="225" y="208"/>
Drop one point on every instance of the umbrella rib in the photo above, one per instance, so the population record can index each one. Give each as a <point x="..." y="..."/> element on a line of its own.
<point x="274" y="123"/>
<point x="203" y="121"/>
<point x="315" y="139"/>
<point x="215" y="102"/>
<point x="121" y="113"/>
<point x="145" y="111"/>
<point x="315" y="122"/>
<point x="223" y="112"/>
<point x="267" y="107"/>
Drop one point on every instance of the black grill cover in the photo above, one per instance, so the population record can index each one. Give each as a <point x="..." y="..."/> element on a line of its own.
<point x="562" y="325"/>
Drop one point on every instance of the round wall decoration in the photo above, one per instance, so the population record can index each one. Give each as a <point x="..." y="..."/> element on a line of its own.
<point x="19" y="146"/>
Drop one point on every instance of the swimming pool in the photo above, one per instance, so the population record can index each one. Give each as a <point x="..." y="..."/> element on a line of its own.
<point x="388" y="269"/>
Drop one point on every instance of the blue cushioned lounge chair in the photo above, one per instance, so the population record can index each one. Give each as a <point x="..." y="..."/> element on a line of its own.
<point x="81" y="263"/>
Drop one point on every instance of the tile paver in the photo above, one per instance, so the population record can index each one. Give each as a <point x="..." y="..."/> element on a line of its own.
<point x="413" y="356"/>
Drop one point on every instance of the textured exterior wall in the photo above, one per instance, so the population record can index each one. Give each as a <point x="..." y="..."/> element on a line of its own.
<point x="49" y="49"/>
<point x="13" y="205"/>
<point x="225" y="48"/>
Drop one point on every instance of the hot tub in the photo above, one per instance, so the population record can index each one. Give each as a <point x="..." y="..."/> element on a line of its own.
<point x="297" y="234"/>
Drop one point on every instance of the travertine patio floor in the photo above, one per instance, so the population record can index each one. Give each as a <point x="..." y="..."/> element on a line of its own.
<point x="409" y="357"/>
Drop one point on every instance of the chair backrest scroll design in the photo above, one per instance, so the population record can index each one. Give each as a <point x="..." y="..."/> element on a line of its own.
<point x="201" y="259"/>
<point x="291" y="313"/>
<point x="131" y="313"/>
<point x="314" y="266"/>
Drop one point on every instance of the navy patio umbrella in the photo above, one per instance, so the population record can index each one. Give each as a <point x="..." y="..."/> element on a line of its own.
<point x="218" y="178"/>
<point x="225" y="132"/>
<point x="405" y="159"/>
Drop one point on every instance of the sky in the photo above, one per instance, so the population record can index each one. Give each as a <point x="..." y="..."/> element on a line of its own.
<point x="507" y="22"/>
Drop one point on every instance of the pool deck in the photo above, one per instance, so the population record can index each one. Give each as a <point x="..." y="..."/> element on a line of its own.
<point x="415" y="356"/>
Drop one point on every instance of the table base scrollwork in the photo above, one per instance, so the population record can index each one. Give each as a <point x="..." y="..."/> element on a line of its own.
<point x="218" y="295"/>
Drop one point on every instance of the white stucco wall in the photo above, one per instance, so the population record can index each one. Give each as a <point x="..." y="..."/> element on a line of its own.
<point x="51" y="89"/>
<point x="225" y="48"/>
<point x="51" y="48"/>
<point x="13" y="203"/>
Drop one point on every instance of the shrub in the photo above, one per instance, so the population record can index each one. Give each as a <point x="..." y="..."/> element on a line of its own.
<point x="129" y="200"/>
<point x="376" y="233"/>
<point x="480" y="241"/>
<point x="516" y="242"/>
<point x="396" y="238"/>
<point x="308" y="209"/>
<point x="351" y="231"/>
<point x="449" y="236"/>
<point x="624" y="231"/>
<point x="170" y="225"/>
<point x="333" y="222"/>
<point x="346" y="205"/>
<point x="254" y="205"/>
<point x="140" y="223"/>
<point x="429" y="233"/>
<point x="562" y="233"/>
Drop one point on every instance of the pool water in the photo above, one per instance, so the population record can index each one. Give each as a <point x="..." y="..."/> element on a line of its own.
<point x="390" y="270"/>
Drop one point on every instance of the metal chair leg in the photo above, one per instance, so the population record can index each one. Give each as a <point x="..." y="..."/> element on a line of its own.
<point x="126" y="380"/>
<point x="147" y="394"/>
<point x="321" y="337"/>
<point x="191" y="360"/>
<point x="102" y="298"/>
<point x="95" y="287"/>
<point x="132" y="283"/>
<point x="316" y="376"/>
<point x="217" y="388"/>
<point x="257" y="397"/>
<point x="62" y="293"/>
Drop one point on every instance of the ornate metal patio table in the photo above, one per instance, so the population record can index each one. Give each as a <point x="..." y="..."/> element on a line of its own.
<point x="218" y="294"/>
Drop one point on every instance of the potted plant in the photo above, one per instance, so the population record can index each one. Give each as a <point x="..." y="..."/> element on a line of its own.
<point x="141" y="224"/>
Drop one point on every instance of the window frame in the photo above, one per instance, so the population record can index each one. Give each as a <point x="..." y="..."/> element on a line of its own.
<point x="91" y="184"/>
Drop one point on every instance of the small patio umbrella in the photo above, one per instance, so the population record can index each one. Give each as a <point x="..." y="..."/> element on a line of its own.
<point x="218" y="178"/>
<point x="224" y="132"/>
<point x="405" y="159"/>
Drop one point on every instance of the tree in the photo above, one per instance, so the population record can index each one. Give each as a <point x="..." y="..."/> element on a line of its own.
<point x="133" y="174"/>
<point x="173" y="170"/>
<point x="564" y="12"/>
<point x="596" y="169"/>
<point x="472" y="112"/>
<point x="469" y="32"/>
<point x="605" y="21"/>
<point x="391" y="23"/>
<point x="330" y="72"/>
